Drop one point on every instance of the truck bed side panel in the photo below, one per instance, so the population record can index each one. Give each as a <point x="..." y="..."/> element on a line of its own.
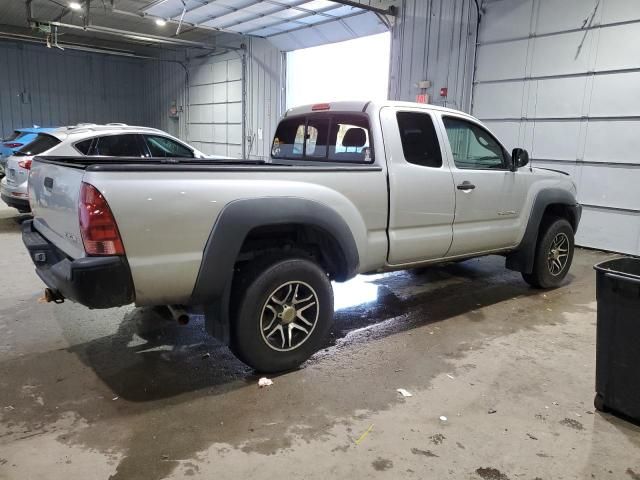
<point x="165" y="217"/>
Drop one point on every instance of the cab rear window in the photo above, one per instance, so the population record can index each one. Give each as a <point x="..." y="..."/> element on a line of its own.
<point x="322" y="137"/>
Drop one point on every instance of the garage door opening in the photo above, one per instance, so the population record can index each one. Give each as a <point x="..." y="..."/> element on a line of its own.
<point x="352" y="70"/>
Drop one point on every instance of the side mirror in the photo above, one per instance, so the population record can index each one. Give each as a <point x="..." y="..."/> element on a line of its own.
<point x="519" y="158"/>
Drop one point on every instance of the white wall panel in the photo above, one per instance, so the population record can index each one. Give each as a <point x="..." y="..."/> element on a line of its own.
<point x="499" y="100"/>
<point x="613" y="141"/>
<point x="618" y="47"/>
<point x="563" y="75"/>
<point x="499" y="61"/>
<point x="219" y="113"/>
<point x="509" y="19"/>
<point x="620" y="11"/>
<point x="561" y="54"/>
<point x="234" y="90"/>
<point x="555" y="140"/>
<point x="507" y="132"/>
<point x="559" y="97"/>
<point x="611" y="186"/>
<point x="616" y="94"/>
<point x="219" y="92"/>
<point x="609" y="230"/>
<point x="571" y="14"/>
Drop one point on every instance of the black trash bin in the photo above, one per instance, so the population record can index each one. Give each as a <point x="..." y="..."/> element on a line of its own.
<point x="618" y="337"/>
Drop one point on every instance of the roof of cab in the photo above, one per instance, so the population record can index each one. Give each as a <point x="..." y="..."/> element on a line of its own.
<point x="364" y="106"/>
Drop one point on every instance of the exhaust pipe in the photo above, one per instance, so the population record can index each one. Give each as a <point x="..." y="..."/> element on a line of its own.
<point x="52" y="296"/>
<point x="179" y="314"/>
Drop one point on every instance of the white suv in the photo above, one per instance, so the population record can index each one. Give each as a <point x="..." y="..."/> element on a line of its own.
<point x="111" y="140"/>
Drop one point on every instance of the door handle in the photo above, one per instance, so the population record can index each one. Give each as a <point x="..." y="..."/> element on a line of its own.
<point x="466" y="186"/>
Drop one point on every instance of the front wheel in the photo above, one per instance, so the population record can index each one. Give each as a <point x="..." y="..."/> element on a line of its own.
<point x="284" y="313"/>
<point x="554" y="254"/>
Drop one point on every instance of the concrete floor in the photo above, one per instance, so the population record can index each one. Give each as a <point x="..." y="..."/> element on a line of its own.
<point x="123" y="394"/>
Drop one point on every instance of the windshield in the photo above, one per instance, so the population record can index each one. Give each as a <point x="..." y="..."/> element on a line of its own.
<point x="41" y="144"/>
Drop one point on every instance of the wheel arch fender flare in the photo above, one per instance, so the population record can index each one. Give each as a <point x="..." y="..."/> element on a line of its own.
<point x="213" y="285"/>
<point x="523" y="257"/>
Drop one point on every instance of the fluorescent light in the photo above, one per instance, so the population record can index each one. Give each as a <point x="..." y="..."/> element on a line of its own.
<point x="161" y="22"/>
<point x="75" y="5"/>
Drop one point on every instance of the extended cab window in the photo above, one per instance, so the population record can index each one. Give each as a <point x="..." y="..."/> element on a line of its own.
<point x="334" y="138"/>
<point x="165" y="147"/>
<point x="472" y="146"/>
<point x="118" y="146"/>
<point x="419" y="141"/>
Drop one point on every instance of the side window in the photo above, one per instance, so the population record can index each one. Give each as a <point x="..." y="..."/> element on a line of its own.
<point x="472" y="146"/>
<point x="84" y="147"/>
<point x="118" y="146"/>
<point x="165" y="147"/>
<point x="419" y="140"/>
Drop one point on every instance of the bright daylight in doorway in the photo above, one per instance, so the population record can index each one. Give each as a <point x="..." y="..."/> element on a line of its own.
<point x="352" y="70"/>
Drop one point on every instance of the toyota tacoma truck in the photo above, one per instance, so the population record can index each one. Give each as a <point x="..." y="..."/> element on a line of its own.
<point x="350" y="188"/>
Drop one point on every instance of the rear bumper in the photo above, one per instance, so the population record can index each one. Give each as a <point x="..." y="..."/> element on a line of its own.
<point x="19" y="203"/>
<point x="96" y="282"/>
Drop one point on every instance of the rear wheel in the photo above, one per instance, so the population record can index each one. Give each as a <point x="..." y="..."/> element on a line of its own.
<point x="282" y="314"/>
<point x="554" y="254"/>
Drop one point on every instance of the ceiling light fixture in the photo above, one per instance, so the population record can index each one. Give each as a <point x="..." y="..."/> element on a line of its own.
<point x="161" y="22"/>
<point x="75" y="5"/>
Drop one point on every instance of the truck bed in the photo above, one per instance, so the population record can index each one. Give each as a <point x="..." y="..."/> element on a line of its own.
<point x="165" y="209"/>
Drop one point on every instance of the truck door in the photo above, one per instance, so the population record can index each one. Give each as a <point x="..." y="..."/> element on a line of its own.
<point x="489" y="197"/>
<point x="421" y="193"/>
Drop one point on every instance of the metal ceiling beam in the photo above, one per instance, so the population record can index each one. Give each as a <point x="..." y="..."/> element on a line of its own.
<point x="366" y="5"/>
<point x="132" y="35"/>
<point x="334" y="19"/>
<point x="294" y="20"/>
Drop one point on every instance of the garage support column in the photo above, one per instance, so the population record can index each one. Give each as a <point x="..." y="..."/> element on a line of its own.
<point x="244" y="101"/>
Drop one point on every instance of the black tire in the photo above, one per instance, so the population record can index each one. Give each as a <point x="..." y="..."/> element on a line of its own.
<point x="253" y="308"/>
<point x="543" y="274"/>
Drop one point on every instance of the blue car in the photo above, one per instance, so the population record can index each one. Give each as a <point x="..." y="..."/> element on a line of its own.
<point x="18" y="139"/>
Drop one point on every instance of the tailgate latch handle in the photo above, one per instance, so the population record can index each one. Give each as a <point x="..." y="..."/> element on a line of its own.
<point x="48" y="182"/>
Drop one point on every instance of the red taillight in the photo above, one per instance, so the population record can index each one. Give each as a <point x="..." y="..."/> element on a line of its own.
<point x="320" y="107"/>
<point x="12" y="145"/>
<point x="26" y="164"/>
<point x="99" y="230"/>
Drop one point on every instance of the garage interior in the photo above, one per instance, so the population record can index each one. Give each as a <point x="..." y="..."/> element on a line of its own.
<point x="501" y="375"/>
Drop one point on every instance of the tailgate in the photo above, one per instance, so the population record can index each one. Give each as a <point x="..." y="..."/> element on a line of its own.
<point x="54" y="191"/>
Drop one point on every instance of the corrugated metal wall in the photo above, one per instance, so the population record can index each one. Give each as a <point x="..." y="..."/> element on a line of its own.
<point x="562" y="79"/>
<point x="49" y="87"/>
<point x="164" y="87"/>
<point x="265" y="96"/>
<point x="434" y="40"/>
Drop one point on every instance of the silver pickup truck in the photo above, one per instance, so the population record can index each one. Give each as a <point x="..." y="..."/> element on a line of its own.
<point x="351" y="187"/>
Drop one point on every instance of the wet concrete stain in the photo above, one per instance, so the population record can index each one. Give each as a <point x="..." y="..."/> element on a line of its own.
<point x="571" y="423"/>
<point x="426" y="453"/>
<point x="382" y="464"/>
<point x="633" y="475"/>
<point x="460" y="446"/>
<point x="168" y="395"/>
<point x="437" y="439"/>
<point x="490" y="473"/>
